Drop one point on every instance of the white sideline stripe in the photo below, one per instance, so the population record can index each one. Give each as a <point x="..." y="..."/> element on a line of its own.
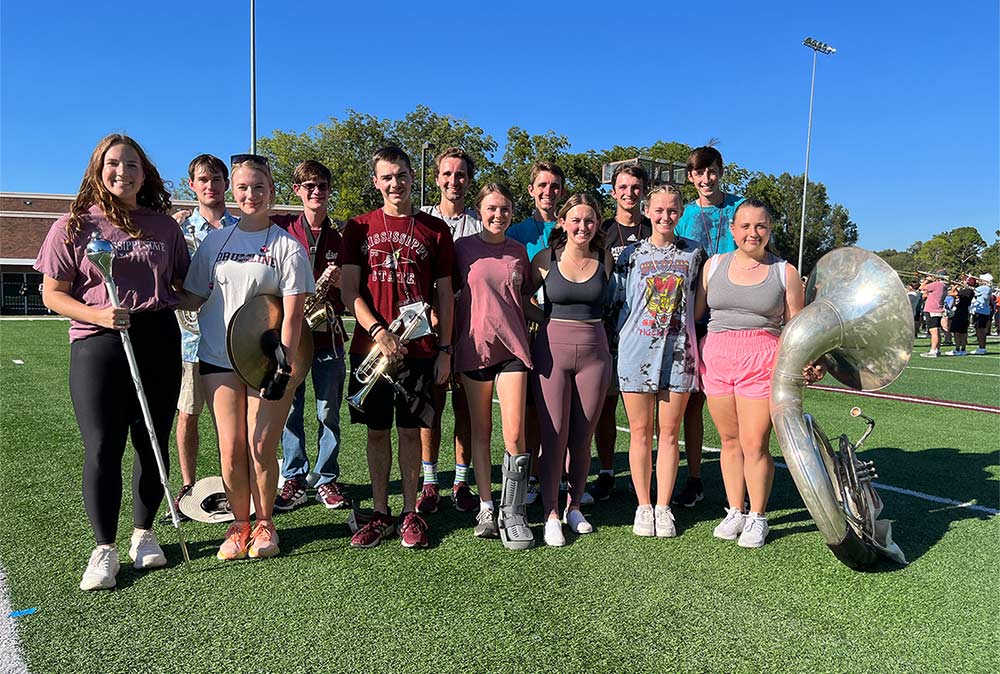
<point x="941" y="369"/>
<point x="908" y="399"/>
<point x="11" y="658"/>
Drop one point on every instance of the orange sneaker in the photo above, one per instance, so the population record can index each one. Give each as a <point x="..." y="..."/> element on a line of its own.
<point x="235" y="545"/>
<point x="264" y="541"/>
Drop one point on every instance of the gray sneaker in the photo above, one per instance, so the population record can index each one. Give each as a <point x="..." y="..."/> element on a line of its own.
<point x="486" y="525"/>
<point x="145" y="550"/>
<point x="754" y="531"/>
<point x="643" y="524"/>
<point x="534" y="491"/>
<point x="731" y="525"/>
<point x="664" y="522"/>
<point x="101" y="569"/>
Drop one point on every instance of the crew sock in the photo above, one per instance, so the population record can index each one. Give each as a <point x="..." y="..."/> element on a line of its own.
<point x="430" y="472"/>
<point x="461" y="472"/>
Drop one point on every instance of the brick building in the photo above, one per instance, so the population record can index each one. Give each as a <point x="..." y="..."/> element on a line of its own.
<point x="25" y="219"/>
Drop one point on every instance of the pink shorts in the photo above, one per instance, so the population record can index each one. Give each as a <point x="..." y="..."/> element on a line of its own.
<point x="738" y="362"/>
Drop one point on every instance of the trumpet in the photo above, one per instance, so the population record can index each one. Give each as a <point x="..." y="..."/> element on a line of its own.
<point x="375" y="366"/>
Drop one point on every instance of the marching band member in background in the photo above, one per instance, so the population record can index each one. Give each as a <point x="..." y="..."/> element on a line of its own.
<point x="492" y="277"/>
<point x="395" y="257"/>
<point x="208" y="178"/>
<point x="455" y="170"/>
<point x="571" y="357"/>
<point x="981" y="309"/>
<point x="934" y="291"/>
<point x="706" y="220"/>
<point x="233" y="265"/>
<point x="121" y="199"/>
<point x="630" y="225"/>
<point x="548" y="184"/>
<point x="959" y="323"/>
<point x="321" y="241"/>
<point x="656" y="279"/>
<point x="751" y="293"/>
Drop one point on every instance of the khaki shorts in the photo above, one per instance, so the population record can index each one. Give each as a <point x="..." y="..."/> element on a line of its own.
<point x="191" y="400"/>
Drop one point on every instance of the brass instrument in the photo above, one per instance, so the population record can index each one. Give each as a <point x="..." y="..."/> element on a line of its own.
<point x="414" y="324"/>
<point x="189" y="319"/>
<point x="859" y="324"/>
<point x="317" y="309"/>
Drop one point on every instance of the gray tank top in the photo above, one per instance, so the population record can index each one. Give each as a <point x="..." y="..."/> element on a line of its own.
<point x="735" y="307"/>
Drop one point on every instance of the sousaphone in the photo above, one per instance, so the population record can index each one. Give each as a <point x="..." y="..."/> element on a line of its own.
<point x="859" y="324"/>
<point x="250" y="359"/>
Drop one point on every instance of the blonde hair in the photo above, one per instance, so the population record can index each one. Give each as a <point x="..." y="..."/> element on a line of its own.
<point x="664" y="189"/>
<point x="257" y="166"/>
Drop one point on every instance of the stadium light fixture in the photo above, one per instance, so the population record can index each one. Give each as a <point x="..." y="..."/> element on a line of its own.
<point x="817" y="47"/>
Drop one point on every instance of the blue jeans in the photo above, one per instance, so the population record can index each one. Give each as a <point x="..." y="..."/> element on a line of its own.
<point x="328" y="383"/>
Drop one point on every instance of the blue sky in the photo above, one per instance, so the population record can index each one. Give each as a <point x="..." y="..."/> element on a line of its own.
<point x="905" y="130"/>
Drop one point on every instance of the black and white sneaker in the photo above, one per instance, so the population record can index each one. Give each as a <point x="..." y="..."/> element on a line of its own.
<point x="689" y="495"/>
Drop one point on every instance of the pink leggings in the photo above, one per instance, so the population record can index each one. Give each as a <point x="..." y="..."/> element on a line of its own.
<point x="571" y="377"/>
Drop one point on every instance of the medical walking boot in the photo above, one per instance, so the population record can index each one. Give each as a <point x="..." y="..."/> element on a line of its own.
<point x="512" y="519"/>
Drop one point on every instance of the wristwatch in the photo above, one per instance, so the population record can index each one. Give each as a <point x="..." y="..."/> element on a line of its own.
<point x="445" y="349"/>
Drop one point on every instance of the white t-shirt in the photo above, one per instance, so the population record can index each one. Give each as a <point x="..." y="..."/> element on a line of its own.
<point x="232" y="266"/>
<point x="466" y="224"/>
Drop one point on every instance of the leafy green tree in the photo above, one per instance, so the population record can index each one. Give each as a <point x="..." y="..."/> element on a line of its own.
<point x="901" y="261"/>
<point x="990" y="260"/>
<point x="957" y="251"/>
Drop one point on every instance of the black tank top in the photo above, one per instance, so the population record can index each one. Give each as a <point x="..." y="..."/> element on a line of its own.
<point x="575" y="301"/>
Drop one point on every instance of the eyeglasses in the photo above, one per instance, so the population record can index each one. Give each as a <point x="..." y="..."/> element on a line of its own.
<point x="315" y="187"/>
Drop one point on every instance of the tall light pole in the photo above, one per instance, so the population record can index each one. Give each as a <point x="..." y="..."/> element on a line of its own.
<point x="253" y="79"/>
<point x="817" y="47"/>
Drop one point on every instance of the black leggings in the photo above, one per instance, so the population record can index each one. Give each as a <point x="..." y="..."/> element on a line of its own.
<point x="107" y="409"/>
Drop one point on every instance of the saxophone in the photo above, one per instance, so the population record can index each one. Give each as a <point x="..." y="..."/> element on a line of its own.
<point x="317" y="309"/>
<point x="189" y="319"/>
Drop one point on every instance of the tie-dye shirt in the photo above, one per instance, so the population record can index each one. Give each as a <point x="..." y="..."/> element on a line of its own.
<point x="655" y="289"/>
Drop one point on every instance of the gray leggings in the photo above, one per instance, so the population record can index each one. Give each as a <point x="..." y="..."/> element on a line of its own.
<point x="571" y="377"/>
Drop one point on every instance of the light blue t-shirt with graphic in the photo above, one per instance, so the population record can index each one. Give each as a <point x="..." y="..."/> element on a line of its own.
<point x="709" y="225"/>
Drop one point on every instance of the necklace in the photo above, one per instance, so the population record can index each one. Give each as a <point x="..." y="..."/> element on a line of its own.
<point x="396" y="252"/>
<point x="755" y="264"/>
<point x="263" y="250"/>
<point x="579" y="266"/>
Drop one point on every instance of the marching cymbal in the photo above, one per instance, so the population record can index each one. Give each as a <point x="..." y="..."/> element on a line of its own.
<point x="243" y="342"/>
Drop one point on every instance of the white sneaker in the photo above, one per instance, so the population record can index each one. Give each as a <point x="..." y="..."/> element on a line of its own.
<point x="578" y="524"/>
<point x="587" y="498"/>
<point x="731" y="525"/>
<point x="664" y="521"/>
<point x="643" y="525"/>
<point x="553" y="533"/>
<point x="931" y="354"/>
<point x="534" y="489"/>
<point x="754" y="531"/>
<point x="980" y="352"/>
<point x="101" y="569"/>
<point x="145" y="551"/>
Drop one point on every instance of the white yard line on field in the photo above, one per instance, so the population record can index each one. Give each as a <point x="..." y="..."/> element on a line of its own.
<point x="909" y="399"/>
<point x="11" y="659"/>
<point x="941" y="369"/>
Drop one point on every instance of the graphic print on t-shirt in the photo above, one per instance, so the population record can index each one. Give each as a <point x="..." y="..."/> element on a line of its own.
<point x="664" y="296"/>
<point x="393" y="258"/>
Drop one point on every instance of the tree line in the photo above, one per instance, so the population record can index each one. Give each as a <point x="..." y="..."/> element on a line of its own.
<point x="958" y="251"/>
<point x="346" y="145"/>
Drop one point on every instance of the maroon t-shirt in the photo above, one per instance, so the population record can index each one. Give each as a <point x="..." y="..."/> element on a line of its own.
<point x="327" y="242"/>
<point x="144" y="269"/>
<point x="400" y="259"/>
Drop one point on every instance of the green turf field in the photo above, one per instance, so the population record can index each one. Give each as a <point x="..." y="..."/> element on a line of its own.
<point x="608" y="602"/>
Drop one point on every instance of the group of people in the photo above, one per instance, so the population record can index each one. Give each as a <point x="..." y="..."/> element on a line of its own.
<point x="556" y="316"/>
<point x="947" y="310"/>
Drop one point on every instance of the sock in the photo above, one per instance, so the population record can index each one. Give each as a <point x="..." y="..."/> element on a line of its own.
<point x="461" y="472"/>
<point x="608" y="471"/>
<point x="485" y="505"/>
<point x="430" y="472"/>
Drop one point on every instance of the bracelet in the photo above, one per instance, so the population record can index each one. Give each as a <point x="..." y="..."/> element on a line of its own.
<point x="375" y="329"/>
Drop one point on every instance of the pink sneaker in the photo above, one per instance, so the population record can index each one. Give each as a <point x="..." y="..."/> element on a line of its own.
<point x="236" y="543"/>
<point x="263" y="541"/>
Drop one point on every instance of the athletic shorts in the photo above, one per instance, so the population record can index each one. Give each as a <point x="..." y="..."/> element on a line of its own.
<point x="933" y="321"/>
<point x="414" y="410"/>
<point x="207" y="368"/>
<point x="490" y="372"/>
<point x="738" y="362"/>
<point x="982" y="321"/>
<point x="960" y="323"/>
<point x="192" y="398"/>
